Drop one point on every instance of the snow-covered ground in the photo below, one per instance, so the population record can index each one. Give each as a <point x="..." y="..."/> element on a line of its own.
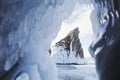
<point x="78" y="72"/>
<point x="61" y="56"/>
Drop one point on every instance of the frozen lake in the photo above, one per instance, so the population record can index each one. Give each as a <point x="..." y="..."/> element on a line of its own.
<point x="77" y="72"/>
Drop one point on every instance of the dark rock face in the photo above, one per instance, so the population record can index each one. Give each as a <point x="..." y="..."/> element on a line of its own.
<point x="72" y="42"/>
<point x="108" y="58"/>
<point x="68" y="50"/>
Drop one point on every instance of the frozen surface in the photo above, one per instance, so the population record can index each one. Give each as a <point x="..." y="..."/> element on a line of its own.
<point x="78" y="72"/>
<point x="61" y="56"/>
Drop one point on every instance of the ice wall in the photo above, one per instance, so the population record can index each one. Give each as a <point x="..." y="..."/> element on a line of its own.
<point x="27" y="28"/>
<point x="105" y="48"/>
<point x="105" y="21"/>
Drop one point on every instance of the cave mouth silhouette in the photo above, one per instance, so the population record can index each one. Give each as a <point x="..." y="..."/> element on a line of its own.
<point x="80" y="17"/>
<point x="23" y="23"/>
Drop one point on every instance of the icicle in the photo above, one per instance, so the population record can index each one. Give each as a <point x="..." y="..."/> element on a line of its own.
<point x="71" y="46"/>
<point x="113" y="18"/>
<point x="117" y="13"/>
<point x="8" y="65"/>
<point x="112" y="6"/>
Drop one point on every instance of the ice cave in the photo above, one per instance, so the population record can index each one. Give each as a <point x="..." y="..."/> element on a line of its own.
<point x="59" y="40"/>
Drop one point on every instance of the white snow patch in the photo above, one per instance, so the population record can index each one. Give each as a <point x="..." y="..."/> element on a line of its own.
<point x="33" y="72"/>
<point x="8" y="65"/>
<point x="98" y="50"/>
<point x="77" y="72"/>
<point x="117" y="13"/>
<point x="23" y="76"/>
<point x="61" y="56"/>
<point x="113" y="18"/>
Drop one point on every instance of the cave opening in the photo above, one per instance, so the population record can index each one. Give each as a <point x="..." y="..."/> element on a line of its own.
<point x="79" y="19"/>
<point x="26" y="31"/>
<point x="27" y="28"/>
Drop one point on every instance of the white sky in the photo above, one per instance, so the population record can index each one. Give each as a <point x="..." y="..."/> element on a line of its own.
<point x="79" y="18"/>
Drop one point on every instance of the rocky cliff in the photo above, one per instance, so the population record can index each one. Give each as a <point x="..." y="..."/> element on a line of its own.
<point x="70" y="47"/>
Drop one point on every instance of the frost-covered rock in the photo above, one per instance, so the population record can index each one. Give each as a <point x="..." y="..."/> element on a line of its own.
<point x="69" y="49"/>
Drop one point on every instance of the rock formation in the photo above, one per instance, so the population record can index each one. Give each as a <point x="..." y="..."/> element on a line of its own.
<point x="72" y="40"/>
<point x="70" y="47"/>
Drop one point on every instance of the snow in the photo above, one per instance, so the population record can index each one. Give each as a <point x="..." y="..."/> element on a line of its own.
<point x="113" y="19"/>
<point x="31" y="71"/>
<point x="7" y="65"/>
<point x="60" y="55"/>
<point x="23" y="76"/>
<point x="117" y="13"/>
<point x="65" y="57"/>
<point x="98" y="50"/>
<point x="77" y="60"/>
<point x="77" y="72"/>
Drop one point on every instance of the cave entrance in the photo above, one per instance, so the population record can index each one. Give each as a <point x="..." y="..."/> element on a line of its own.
<point x="80" y="18"/>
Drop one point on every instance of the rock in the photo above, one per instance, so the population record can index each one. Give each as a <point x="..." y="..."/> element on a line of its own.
<point x="69" y="48"/>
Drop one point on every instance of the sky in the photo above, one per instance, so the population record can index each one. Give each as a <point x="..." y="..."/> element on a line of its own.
<point x="79" y="18"/>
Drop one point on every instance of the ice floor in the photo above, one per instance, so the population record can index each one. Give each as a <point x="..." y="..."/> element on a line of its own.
<point x="77" y="72"/>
